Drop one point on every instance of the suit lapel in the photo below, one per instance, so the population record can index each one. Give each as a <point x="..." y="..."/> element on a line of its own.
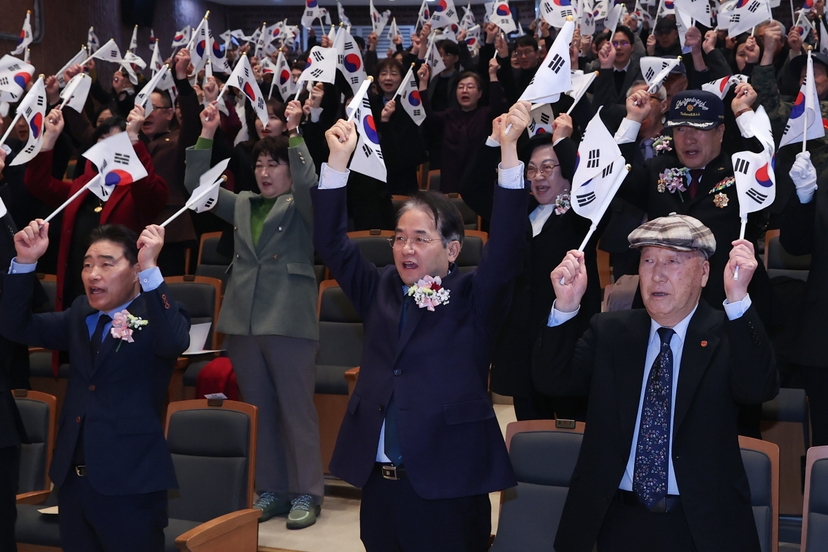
<point x="109" y="343"/>
<point x="243" y="219"/>
<point x="632" y="352"/>
<point x="699" y="346"/>
<point x="278" y="217"/>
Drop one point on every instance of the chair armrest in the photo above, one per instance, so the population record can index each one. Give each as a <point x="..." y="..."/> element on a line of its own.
<point x="351" y="377"/>
<point x="237" y="531"/>
<point x="34" y="497"/>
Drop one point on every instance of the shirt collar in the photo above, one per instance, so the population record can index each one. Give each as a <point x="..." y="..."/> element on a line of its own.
<point x="680" y="328"/>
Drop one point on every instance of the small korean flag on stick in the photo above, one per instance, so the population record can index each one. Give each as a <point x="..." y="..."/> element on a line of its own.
<point x="205" y="196"/>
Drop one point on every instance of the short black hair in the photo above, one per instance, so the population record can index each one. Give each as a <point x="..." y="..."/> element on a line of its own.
<point x="446" y="216"/>
<point x="120" y="235"/>
<point x="472" y="75"/>
<point x="626" y="30"/>
<point x="360" y="41"/>
<point x="116" y="121"/>
<point x="448" y="47"/>
<point x="389" y="63"/>
<point x="526" y="40"/>
<point x="250" y="116"/>
<point x="274" y="146"/>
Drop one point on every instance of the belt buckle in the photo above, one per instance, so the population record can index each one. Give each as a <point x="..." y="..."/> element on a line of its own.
<point x="390" y="472"/>
<point x="80" y="471"/>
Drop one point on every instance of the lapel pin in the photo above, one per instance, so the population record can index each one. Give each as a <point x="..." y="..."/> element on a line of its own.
<point x="704" y="343"/>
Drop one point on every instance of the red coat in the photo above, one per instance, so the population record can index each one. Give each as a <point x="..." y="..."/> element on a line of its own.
<point x="134" y="206"/>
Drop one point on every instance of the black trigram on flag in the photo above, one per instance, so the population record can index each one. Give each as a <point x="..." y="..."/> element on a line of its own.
<point x="241" y="81"/>
<point x="556" y="63"/>
<point x="103" y="190"/>
<point x="734" y="18"/>
<point x="260" y="104"/>
<point x="756" y="196"/>
<point x="317" y="55"/>
<point x="104" y="165"/>
<point x="246" y="74"/>
<point x="567" y="12"/>
<point x="450" y="13"/>
<point x="742" y="166"/>
<point x="28" y="112"/>
<point x="316" y="72"/>
<point x="340" y="59"/>
<point x="309" y="13"/>
<point x="30" y="149"/>
<point x="753" y="7"/>
<point x="354" y="80"/>
<point x="544" y="118"/>
<point x="113" y="54"/>
<point x="585" y="199"/>
<point x="209" y="203"/>
<point x="349" y="45"/>
<point x="649" y="74"/>
<point x="787" y="128"/>
<point x="607" y="170"/>
<point x="379" y="154"/>
<point x="40" y="101"/>
<point x="121" y="159"/>
<point x="14" y="67"/>
<point x="367" y="150"/>
<point x="4" y="81"/>
<point x="547" y="8"/>
<point x="417" y="112"/>
<point x="593" y="158"/>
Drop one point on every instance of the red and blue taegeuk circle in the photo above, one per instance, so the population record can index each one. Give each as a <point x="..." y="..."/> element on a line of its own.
<point x="798" y="107"/>
<point x="414" y="98"/>
<point x="36" y="125"/>
<point x="762" y="177"/>
<point x="284" y="76"/>
<point x="352" y="63"/>
<point x="22" y="79"/>
<point x="118" y="177"/>
<point x="441" y="6"/>
<point x="370" y="129"/>
<point x="503" y="10"/>
<point x="249" y="92"/>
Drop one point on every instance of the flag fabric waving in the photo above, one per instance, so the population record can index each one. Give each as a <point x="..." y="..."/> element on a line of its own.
<point x="541" y="122"/>
<point x="341" y="12"/>
<point x="555" y="12"/>
<point x="367" y="158"/>
<point x="443" y="14"/>
<point x="15" y="76"/>
<point x="312" y="12"/>
<point x="133" y="41"/>
<point x="282" y="78"/>
<point x="243" y="79"/>
<point x="423" y="15"/>
<point x="433" y="58"/>
<point x="32" y="109"/>
<point x="747" y="14"/>
<point x="77" y="59"/>
<point x="805" y="119"/>
<point x="25" y="35"/>
<point x="199" y="44"/>
<point x="697" y="9"/>
<point x="349" y="59"/>
<point x="76" y="91"/>
<point x="655" y="70"/>
<point x="553" y="75"/>
<point x="410" y="98"/>
<point x="142" y="98"/>
<point x="755" y="181"/>
<point x="321" y="65"/>
<point x="378" y="20"/>
<point x="182" y="37"/>
<point x="117" y="163"/>
<point x="596" y="151"/>
<point x="502" y="17"/>
<point x="92" y="42"/>
<point x="467" y="22"/>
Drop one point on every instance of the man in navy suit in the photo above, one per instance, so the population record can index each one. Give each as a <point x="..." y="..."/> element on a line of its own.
<point x="420" y="435"/>
<point x="111" y="464"/>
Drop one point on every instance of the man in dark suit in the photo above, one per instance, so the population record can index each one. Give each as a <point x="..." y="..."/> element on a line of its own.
<point x="660" y="467"/>
<point x="111" y="464"/>
<point x="420" y="435"/>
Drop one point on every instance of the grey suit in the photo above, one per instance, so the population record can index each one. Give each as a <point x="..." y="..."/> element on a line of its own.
<point x="269" y="316"/>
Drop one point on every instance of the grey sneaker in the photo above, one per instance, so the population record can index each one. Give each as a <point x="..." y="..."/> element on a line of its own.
<point x="271" y="504"/>
<point x="303" y="512"/>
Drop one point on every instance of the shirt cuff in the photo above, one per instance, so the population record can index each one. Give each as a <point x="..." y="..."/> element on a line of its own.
<point x="315" y="113"/>
<point x="150" y="278"/>
<point x="510" y="178"/>
<point x="736" y="310"/>
<point x="744" y="122"/>
<point x="21" y="268"/>
<point x="627" y="131"/>
<point x="556" y="317"/>
<point x="330" y="179"/>
<point x="203" y="143"/>
<point x="492" y="143"/>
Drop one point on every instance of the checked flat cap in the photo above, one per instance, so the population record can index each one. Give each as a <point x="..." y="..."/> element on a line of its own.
<point x="679" y="232"/>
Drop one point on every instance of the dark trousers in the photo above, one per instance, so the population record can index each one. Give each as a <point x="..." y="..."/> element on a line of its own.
<point x="630" y="528"/>
<point x="9" y="471"/>
<point x="815" y="382"/>
<point x="392" y="518"/>
<point x="92" y="522"/>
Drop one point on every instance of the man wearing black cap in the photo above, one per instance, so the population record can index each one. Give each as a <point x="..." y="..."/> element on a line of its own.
<point x="660" y="466"/>
<point x="696" y="178"/>
<point x="665" y="39"/>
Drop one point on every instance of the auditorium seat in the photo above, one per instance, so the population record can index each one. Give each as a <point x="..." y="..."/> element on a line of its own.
<point x="761" y="461"/>
<point x="340" y="348"/>
<point x="815" y="507"/>
<point x="210" y="262"/>
<point x="39" y="414"/>
<point x="543" y="455"/>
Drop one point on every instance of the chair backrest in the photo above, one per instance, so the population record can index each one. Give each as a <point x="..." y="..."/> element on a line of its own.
<point x="790" y="405"/>
<point x="341" y="336"/>
<point x="49" y="284"/>
<point x="761" y="461"/>
<point x="815" y="507"/>
<point x="201" y="296"/>
<point x="779" y="262"/>
<point x="210" y="262"/>
<point x="39" y="414"/>
<point x="374" y="246"/>
<point x="470" y="219"/>
<point x="213" y="447"/>
<point x="543" y="455"/>
<point x="472" y="250"/>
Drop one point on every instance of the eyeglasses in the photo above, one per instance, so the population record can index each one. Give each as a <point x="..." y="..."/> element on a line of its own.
<point x="524" y="53"/>
<point x="545" y="170"/>
<point x="469" y="87"/>
<point x="418" y="242"/>
<point x="619" y="43"/>
<point x="161" y="107"/>
<point x="662" y="32"/>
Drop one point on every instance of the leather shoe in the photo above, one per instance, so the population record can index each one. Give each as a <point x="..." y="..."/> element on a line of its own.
<point x="271" y="504"/>
<point x="303" y="512"/>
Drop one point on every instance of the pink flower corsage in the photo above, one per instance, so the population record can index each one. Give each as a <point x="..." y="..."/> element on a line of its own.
<point x="429" y="293"/>
<point x="123" y="324"/>
<point x="672" y="179"/>
<point x="562" y="203"/>
<point x="662" y="143"/>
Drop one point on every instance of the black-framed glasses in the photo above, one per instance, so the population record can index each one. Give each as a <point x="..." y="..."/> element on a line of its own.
<point x="545" y="170"/>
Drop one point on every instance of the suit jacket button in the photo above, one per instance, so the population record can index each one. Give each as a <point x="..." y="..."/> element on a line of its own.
<point x="275" y="256"/>
<point x="235" y="229"/>
<point x="287" y="199"/>
<point x="397" y="372"/>
<point x="237" y="255"/>
<point x="91" y="387"/>
<point x="77" y="420"/>
<point x="280" y="229"/>
<point x="381" y="407"/>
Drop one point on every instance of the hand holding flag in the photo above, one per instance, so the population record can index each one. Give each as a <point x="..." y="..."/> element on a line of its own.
<point x="205" y="196"/>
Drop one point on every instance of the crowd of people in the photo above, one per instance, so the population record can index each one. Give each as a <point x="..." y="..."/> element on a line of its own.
<point x="658" y="451"/>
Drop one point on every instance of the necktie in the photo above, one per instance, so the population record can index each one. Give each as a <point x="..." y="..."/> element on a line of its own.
<point x="97" y="336"/>
<point x="392" y="437"/>
<point x="619" y="77"/>
<point x="647" y="148"/>
<point x="652" y="452"/>
<point x="695" y="180"/>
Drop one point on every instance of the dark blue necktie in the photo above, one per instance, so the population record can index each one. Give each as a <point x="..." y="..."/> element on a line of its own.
<point x="392" y="437"/>
<point x="97" y="336"/>
<point x="652" y="452"/>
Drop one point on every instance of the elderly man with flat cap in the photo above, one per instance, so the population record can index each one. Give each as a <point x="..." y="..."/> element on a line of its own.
<point x="660" y="466"/>
<point x="696" y="176"/>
